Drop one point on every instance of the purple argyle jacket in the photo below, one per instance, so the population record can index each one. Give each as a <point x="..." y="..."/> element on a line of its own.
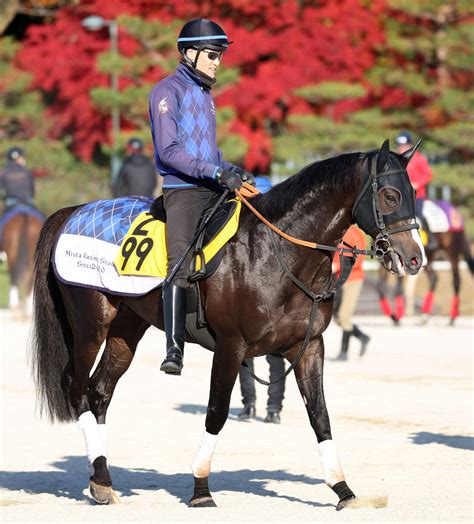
<point x="183" y="126"/>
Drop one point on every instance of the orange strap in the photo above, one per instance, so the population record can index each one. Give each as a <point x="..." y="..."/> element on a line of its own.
<point x="249" y="191"/>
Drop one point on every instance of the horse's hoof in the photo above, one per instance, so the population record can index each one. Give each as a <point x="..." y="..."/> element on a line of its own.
<point x="343" y="503"/>
<point x="377" y="502"/>
<point x="103" y="494"/>
<point x="202" y="502"/>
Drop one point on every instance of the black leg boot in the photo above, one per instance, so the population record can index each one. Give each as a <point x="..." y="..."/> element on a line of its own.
<point x="346" y="335"/>
<point x="364" y="339"/>
<point x="174" y="312"/>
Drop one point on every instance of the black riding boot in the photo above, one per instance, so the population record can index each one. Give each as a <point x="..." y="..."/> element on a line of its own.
<point x="346" y="335"/>
<point x="174" y="312"/>
<point x="364" y="339"/>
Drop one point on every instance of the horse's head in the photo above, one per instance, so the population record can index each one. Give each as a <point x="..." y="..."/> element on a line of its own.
<point x="385" y="209"/>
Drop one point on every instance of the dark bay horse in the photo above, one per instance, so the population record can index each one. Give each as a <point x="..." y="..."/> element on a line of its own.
<point x="20" y="230"/>
<point x="455" y="245"/>
<point x="251" y="304"/>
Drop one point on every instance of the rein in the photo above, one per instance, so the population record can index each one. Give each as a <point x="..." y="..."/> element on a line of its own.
<point x="250" y="192"/>
<point x="346" y="264"/>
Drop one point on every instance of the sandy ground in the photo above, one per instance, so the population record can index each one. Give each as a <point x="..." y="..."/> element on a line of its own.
<point x="401" y="417"/>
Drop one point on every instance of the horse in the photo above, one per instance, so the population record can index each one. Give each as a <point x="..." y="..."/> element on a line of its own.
<point x="20" y="230"/>
<point x="455" y="245"/>
<point x="250" y="302"/>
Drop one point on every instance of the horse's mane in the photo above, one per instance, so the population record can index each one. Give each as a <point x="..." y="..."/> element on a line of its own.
<point x="339" y="174"/>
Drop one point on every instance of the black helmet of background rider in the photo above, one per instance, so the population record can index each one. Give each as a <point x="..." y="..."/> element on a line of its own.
<point x="134" y="145"/>
<point x="14" y="153"/>
<point x="201" y="34"/>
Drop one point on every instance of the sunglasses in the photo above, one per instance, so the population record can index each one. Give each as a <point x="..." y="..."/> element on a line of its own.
<point x="213" y="55"/>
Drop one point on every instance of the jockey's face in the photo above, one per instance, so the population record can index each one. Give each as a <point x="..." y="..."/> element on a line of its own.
<point x="208" y="61"/>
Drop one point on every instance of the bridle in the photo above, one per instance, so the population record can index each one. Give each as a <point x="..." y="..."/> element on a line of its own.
<point x="382" y="245"/>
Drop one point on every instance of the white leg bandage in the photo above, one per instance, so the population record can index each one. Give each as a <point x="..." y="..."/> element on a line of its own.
<point x="330" y="461"/>
<point x="202" y="463"/>
<point x="95" y="447"/>
<point x="13" y="297"/>
<point x="103" y="436"/>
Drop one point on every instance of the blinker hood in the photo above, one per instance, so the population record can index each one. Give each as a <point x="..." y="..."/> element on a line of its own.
<point x="364" y="212"/>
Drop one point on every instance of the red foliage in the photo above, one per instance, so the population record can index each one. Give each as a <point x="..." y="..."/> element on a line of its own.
<point x="278" y="47"/>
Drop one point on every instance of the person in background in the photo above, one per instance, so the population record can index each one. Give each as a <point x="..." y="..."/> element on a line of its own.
<point x="420" y="175"/>
<point x="277" y="368"/>
<point x="137" y="175"/>
<point x="183" y="127"/>
<point x="16" y="181"/>
<point x="350" y="295"/>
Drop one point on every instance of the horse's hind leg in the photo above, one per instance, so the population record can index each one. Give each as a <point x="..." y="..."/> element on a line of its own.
<point x="309" y="376"/>
<point x="382" y="290"/>
<point x="454" y="311"/>
<point x="125" y="332"/>
<point x="428" y="300"/>
<point x="89" y="330"/>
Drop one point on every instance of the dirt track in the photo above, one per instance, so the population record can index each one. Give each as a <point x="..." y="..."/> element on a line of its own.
<point x="402" y="420"/>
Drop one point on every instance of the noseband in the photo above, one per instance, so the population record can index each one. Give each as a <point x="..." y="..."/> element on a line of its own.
<point x="376" y="221"/>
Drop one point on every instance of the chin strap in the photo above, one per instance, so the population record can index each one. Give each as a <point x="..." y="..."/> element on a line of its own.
<point x="202" y="77"/>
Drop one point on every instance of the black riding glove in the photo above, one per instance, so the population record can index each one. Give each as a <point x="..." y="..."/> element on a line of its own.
<point x="229" y="179"/>
<point x="245" y="176"/>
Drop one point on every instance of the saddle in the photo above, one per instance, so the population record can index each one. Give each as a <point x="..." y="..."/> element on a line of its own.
<point x="207" y="252"/>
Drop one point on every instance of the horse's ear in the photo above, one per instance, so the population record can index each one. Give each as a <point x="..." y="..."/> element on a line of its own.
<point x="382" y="157"/>
<point x="408" y="154"/>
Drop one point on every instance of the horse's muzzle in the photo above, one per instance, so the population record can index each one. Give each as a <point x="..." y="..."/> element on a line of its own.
<point x="396" y="263"/>
<point x="413" y="264"/>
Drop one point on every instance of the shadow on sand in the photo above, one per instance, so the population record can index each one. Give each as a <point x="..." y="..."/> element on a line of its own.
<point x="453" y="441"/>
<point x="69" y="480"/>
<point x="200" y="409"/>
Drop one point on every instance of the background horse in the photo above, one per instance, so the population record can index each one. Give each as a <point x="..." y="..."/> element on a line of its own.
<point x="251" y="303"/>
<point x="20" y="229"/>
<point x="455" y="245"/>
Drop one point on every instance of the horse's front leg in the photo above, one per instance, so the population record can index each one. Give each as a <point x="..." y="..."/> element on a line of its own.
<point x="225" y="368"/>
<point x="309" y="376"/>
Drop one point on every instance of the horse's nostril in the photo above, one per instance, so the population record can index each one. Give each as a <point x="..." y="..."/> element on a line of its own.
<point x="414" y="261"/>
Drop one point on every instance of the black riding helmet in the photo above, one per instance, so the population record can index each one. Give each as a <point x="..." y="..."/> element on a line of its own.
<point x="14" y="153"/>
<point x="135" y="144"/>
<point x="201" y="34"/>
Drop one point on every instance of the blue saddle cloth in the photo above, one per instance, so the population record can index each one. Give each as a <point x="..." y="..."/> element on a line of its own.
<point x="90" y="240"/>
<point x="107" y="220"/>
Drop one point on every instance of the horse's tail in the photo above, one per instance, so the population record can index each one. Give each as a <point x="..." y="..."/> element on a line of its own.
<point x="51" y="335"/>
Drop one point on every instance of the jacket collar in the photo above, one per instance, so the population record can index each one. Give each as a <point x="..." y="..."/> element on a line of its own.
<point x="192" y="75"/>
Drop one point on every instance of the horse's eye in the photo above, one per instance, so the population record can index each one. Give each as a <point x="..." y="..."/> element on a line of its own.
<point x="390" y="199"/>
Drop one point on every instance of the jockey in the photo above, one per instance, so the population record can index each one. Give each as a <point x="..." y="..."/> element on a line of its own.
<point x="183" y="126"/>
<point x="420" y="175"/>
<point x="137" y="175"/>
<point x="16" y="181"/>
